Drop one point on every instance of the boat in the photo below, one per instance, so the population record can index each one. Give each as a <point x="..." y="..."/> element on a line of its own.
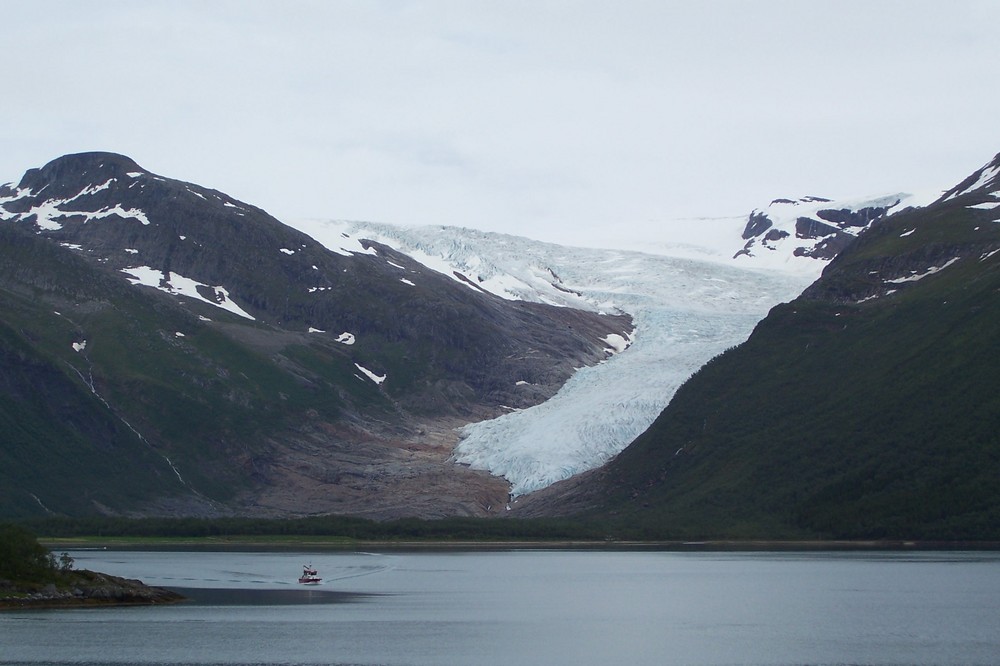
<point x="309" y="575"/>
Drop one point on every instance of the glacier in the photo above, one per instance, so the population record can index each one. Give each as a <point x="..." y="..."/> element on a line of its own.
<point x="685" y="311"/>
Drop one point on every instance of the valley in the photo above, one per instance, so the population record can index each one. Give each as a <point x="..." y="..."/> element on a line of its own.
<point x="176" y="352"/>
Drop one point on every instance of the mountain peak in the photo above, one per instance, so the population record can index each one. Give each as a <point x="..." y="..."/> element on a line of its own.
<point x="81" y="169"/>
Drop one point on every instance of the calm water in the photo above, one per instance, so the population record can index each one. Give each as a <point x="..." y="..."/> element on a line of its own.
<point x="531" y="607"/>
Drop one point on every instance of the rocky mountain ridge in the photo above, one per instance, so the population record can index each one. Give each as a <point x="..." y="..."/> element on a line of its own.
<point x="185" y="352"/>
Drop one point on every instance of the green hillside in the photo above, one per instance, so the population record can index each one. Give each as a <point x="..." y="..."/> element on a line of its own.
<point x="867" y="408"/>
<point x="70" y="421"/>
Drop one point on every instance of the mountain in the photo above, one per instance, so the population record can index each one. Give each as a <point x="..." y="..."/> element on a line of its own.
<point x="868" y="407"/>
<point x="167" y="349"/>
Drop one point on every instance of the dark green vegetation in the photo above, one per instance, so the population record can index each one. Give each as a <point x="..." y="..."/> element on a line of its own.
<point x="120" y="399"/>
<point x="70" y="421"/>
<point x="867" y="408"/>
<point x="23" y="559"/>
<point x="346" y="528"/>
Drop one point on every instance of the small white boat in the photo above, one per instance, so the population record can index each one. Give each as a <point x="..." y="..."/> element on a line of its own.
<point x="309" y="576"/>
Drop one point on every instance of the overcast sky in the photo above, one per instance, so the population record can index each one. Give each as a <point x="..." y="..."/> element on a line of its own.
<point x="555" y="120"/>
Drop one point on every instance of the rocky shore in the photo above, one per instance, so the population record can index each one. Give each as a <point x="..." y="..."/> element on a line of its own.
<point x="83" y="589"/>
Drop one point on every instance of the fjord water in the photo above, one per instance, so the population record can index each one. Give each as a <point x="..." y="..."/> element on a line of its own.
<point x="531" y="607"/>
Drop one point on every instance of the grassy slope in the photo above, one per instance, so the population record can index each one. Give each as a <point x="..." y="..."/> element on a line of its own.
<point x="200" y="399"/>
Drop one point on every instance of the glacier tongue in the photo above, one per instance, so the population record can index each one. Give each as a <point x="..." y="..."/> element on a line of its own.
<point x="601" y="409"/>
<point x="685" y="312"/>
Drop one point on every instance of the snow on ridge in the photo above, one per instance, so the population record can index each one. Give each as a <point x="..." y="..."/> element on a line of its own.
<point x="987" y="176"/>
<point x="345" y="338"/>
<point x="178" y="285"/>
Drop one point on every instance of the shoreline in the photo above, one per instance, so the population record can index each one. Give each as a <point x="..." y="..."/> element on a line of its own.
<point x="312" y="543"/>
<point x="87" y="589"/>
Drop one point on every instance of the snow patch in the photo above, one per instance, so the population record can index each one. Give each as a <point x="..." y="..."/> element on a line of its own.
<point x="93" y="189"/>
<point x="287" y="251"/>
<point x="919" y="276"/>
<point x="617" y="343"/>
<point x="405" y="281"/>
<point x="316" y="330"/>
<point x="333" y="237"/>
<point x="128" y="214"/>
<point x="345" y="338"/>
<point x="371" y="375"/>
<point x="79" y="346"/>
<point x="178" y="285"/>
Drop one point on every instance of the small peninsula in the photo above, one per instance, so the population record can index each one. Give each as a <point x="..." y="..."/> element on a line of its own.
<point x="32" y="577"/>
